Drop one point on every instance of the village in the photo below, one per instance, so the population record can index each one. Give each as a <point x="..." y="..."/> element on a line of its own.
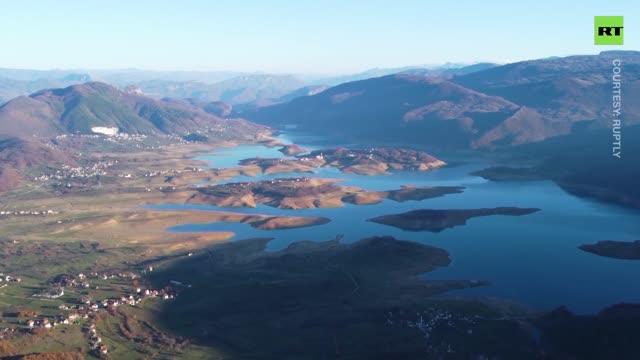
<point x="7" y="213"/>
<point x="141" y="141"/>
<point x="169" y="172"/>
<point x="67" y="172"/>
<point x="6" y="279"/>
<point x="85" y="310"/>
<point x="432" y="320"/>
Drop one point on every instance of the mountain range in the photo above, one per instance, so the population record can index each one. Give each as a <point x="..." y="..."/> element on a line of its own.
<point x="246" y="88"/>
<point x="477" y="106"/>
<point x="237" y="90"/>
<point x="255" y="89"/>
<point x="80" y="108"/>
<point x="444" y="70"/>
<point x="546" y="110"/>
<point x="11" y="88"/>
<point x="490" y="107"/>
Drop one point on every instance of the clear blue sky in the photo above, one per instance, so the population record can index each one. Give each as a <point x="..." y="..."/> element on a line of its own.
<point x="297" y="35"/>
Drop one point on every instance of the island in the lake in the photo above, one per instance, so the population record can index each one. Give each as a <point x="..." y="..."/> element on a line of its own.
<point x="293" y="150"/>
<point x="304" y="193"/>
<point x="376" y="161"/>
<point x="373" y="161"/>
<point x="439" y="220"/>
<point x="626" y="250"/>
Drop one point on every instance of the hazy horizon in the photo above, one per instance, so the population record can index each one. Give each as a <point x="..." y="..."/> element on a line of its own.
<point x="324" y="38"/>
<point x="263" y="72"/>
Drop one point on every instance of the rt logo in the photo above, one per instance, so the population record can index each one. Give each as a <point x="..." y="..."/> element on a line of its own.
<point x="608" y="30"/>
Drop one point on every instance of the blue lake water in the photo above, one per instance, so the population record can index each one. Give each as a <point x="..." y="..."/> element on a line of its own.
<point x="531" y="259"/>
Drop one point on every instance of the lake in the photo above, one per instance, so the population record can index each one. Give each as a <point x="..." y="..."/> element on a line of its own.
<point x="531" y="259"/>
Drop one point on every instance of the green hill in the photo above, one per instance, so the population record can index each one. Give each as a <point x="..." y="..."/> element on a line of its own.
<point x="79" y="108"/>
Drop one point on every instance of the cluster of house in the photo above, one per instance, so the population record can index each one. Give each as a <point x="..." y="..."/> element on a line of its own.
<point x="172" y="172"/>
<point x="165" y="293"/>
<point x="9" y="278"/>
<point x="119" y="138"/>
<point x="87" y="307"/>
<point x="7" y="332"/>
<point x="80" y="172"/>
<point x="278" y="181"/>
<point x="368" y="153"/>
<point x="106" y="276"/>
<point x="309" y="158"/>
<point x="176" y="139"/>
<point x="117" y="135"/>
<point x="129" y="137"/>
<point x="6" y="279"/>
<point x="82" y="279"/>
<point x="134" y="144"/>
<point x="429" y="320"/>
<point x="274" y="181"/>
<point x="28" y="213"/>
<point x="70" y="318"/>
<point x="95" y="341"/>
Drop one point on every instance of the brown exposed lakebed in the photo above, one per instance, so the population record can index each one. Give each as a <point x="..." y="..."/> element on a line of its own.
<point x="303" y="193"/>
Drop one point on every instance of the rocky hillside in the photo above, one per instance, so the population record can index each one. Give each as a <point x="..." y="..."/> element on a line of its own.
<point x="513" y="104"/>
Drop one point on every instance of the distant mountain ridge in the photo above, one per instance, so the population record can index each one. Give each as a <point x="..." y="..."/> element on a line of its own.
<point x="447" y="69"/>
<point x="237" y="90"/>
<point x="230" y="87"/>
<point x="495" y="106"/>
<point x="217" y="108"/>
<point x="255" y="89"/>
<point x="11" y="88"/>
<point x="119" y="77"/>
